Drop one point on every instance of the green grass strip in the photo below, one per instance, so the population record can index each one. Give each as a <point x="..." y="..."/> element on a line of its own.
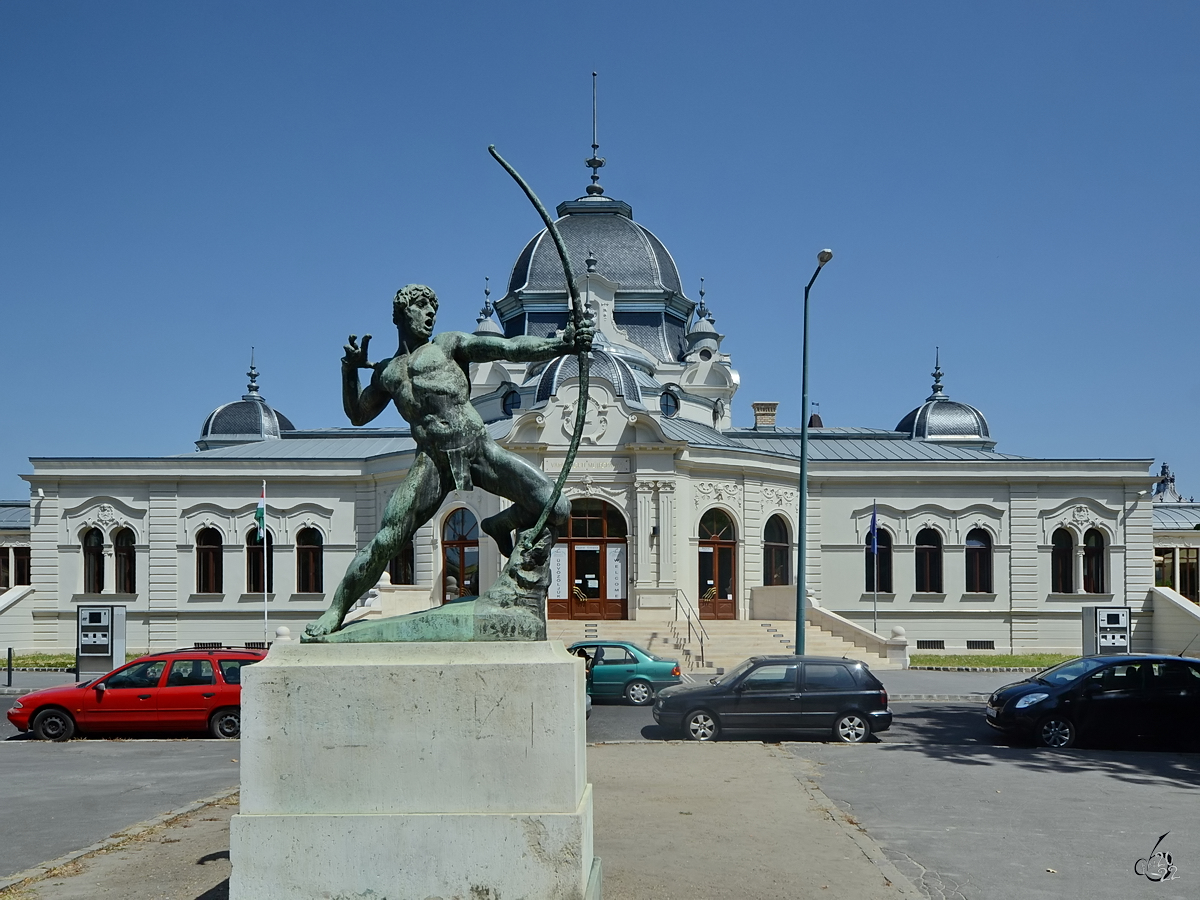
<point x="977" y="660"/>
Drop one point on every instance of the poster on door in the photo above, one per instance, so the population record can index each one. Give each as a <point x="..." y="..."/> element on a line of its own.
<point x="558" y="572"/>
<point x="616" y="571"/>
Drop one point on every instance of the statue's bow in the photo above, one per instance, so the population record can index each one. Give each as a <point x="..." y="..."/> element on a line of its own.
<point x="578" y="314"/>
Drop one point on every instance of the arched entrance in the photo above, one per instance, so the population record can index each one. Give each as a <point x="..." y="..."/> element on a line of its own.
<point x="589" y="565"/>
<point x="717" y="566"/>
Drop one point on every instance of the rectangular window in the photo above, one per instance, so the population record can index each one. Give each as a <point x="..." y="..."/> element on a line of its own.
<point x="1189" y="573"/>
<point x="1164" y="567"/>
<point x="4" y="579"/>
<point x="981" y="645"/>
<point x="931" y="645"/>
<point x="22" y="566"/>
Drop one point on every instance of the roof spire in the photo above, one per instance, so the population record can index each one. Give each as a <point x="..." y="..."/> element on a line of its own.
<point x="938" y="393"/>
<point x="483" y="322"/>
<point x="596" y="162"/>
<point x="252" y="387"/>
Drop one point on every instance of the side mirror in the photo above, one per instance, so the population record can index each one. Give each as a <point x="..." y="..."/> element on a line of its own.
<point x="101" y="687"/>
<point x="712" y="681"/>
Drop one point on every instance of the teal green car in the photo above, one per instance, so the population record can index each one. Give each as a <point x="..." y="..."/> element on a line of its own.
<point x="622" y="669"/>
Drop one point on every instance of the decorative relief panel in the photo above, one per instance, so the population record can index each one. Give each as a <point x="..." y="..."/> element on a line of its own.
<point x="780" y="497"/>
<point x="1077" y="517"/>
<point x="710" y="491"/>
<point x="108" y="514"/>
<point x="587" y="486"/>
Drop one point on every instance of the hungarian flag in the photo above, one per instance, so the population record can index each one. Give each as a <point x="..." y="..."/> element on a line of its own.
<point x="260" y="514"/>
<point x="872" y="533"/>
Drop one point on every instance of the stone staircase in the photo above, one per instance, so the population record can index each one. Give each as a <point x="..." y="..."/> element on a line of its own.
<point x="727" y="644"/>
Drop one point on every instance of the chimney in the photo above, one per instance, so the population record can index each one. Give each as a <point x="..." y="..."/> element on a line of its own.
<point x="764" y="416"/>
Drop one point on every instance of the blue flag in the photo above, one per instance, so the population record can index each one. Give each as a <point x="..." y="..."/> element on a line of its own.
<point x="873" y="533"/>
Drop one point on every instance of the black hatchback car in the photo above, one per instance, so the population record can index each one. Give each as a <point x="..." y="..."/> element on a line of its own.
<point x="1098" y="696"/>
<point x="814" y="694"/>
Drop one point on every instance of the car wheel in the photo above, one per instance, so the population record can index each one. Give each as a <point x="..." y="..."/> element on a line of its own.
<point x="701" y="726"/>
<point x="851" y="729"/>
<point x="226" y="723"/>
<point x="639" y="693"/>
<point x="53" y="725"/>
<point x="1056" y="732"/>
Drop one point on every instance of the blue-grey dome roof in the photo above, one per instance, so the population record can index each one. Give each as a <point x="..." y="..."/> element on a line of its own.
<point x="242" y="421"/>
<point x="624" y="251"/>
<point x="940" y="418"/>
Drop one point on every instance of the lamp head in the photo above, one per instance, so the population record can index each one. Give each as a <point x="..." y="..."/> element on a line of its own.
<point x="823" y="257"/>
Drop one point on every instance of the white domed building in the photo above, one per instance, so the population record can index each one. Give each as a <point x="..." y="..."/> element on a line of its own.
<point x="675" y="507"/>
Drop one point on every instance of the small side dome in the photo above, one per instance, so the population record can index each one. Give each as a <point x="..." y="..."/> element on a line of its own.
<point x="243" y="421"/>
<point x="944" y="420"/>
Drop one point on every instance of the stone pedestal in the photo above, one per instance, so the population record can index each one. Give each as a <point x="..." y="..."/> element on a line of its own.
<point x="414" y="771"/>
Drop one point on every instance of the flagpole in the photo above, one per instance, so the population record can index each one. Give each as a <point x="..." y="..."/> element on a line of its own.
<point x="263" y="537"/>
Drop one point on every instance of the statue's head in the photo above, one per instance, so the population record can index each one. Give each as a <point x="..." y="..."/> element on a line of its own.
<point x="415" y="310"/>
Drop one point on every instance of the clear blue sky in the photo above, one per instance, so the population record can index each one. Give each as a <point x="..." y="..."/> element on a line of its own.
<point x="1015" y="182"/>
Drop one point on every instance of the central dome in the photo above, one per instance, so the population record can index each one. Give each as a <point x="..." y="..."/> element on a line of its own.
<point x="601" y="229"/>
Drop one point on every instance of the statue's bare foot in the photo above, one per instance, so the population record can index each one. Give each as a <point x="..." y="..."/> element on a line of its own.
<point x="499" y="532"/>
<point x="329" y="622"/>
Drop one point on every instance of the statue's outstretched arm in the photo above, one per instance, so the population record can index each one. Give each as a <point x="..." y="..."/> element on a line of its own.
<point x="524" y="348"/>
<point x="361" y="405"/>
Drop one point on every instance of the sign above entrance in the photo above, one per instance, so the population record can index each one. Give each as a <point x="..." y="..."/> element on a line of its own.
<point x="616" y="464"/>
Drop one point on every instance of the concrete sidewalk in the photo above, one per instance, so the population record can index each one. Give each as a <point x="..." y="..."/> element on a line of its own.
<point x="730" y="821"/>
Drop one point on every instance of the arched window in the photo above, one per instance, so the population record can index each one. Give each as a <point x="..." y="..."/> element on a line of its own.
<point x="777" y="552"/>
<point x="93" y="561"/>
<point x="717" y="566"/>
<point x="254" y="563"/>
<point x="403" y="567"/>
<point x="1093" y="562"/>
<point x="125" y="558"/>
<point x="929" y="561"/>
<point x="879" y="562"/>
<point x="310" y="577"/>
<point x="208" y="561"/>
<point x="979" y="561"/>
<point x="1062" y="563"/>
<point x="460" y="556"/>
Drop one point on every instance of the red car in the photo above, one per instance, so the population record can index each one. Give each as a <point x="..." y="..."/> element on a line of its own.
<point x="174" y="691"/>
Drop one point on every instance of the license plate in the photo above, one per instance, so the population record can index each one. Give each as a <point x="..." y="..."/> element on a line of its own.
<point x="991" y="713"/>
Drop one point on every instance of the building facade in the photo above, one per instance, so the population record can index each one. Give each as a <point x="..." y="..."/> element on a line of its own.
<point x="674" y="507"/>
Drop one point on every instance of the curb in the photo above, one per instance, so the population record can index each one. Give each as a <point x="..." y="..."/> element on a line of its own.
<point x="865" y="843"/>
<point x="945" y="698"/>
<point x="41" y="871"/>
<point x="978" y="668"/>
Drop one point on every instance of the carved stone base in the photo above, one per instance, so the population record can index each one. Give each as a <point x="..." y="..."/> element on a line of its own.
<point x="396" y="771"/>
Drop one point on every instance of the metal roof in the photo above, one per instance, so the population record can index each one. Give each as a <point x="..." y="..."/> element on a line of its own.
<point x="14" y="515"/>
<point x="858" y="444"/>
<point x="1176" y="516"/>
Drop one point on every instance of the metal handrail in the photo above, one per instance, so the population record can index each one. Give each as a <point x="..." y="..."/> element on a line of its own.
<point x="690" y="613"/>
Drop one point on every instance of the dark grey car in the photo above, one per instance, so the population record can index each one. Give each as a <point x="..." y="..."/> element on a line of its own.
<point x="820" y="695"/>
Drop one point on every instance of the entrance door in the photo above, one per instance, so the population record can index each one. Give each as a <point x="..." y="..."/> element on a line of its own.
<point x="594" y="555"/>
<point x="717" y="566"/>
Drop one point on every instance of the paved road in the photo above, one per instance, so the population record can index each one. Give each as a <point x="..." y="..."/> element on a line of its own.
<point x="59" y="797"/>
<point x="965" y="814"/>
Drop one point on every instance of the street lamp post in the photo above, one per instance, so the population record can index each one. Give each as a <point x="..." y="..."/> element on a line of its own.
<point x="802" y="524"/>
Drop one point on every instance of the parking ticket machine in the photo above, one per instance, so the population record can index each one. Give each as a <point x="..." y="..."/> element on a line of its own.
<point x="1105" y="630"/>
<point x="101" y="644"/>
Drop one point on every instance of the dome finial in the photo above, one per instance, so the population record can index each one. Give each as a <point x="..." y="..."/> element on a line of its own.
<point x="703" y="311"/>
<point x="591" y="262"/>
<point x="252" y="387"/>
<point x="938" y="393"/>
<point x="596" y="162"/>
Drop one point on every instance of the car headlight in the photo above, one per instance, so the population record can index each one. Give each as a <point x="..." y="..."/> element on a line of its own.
<point x="1030" y="699"/>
